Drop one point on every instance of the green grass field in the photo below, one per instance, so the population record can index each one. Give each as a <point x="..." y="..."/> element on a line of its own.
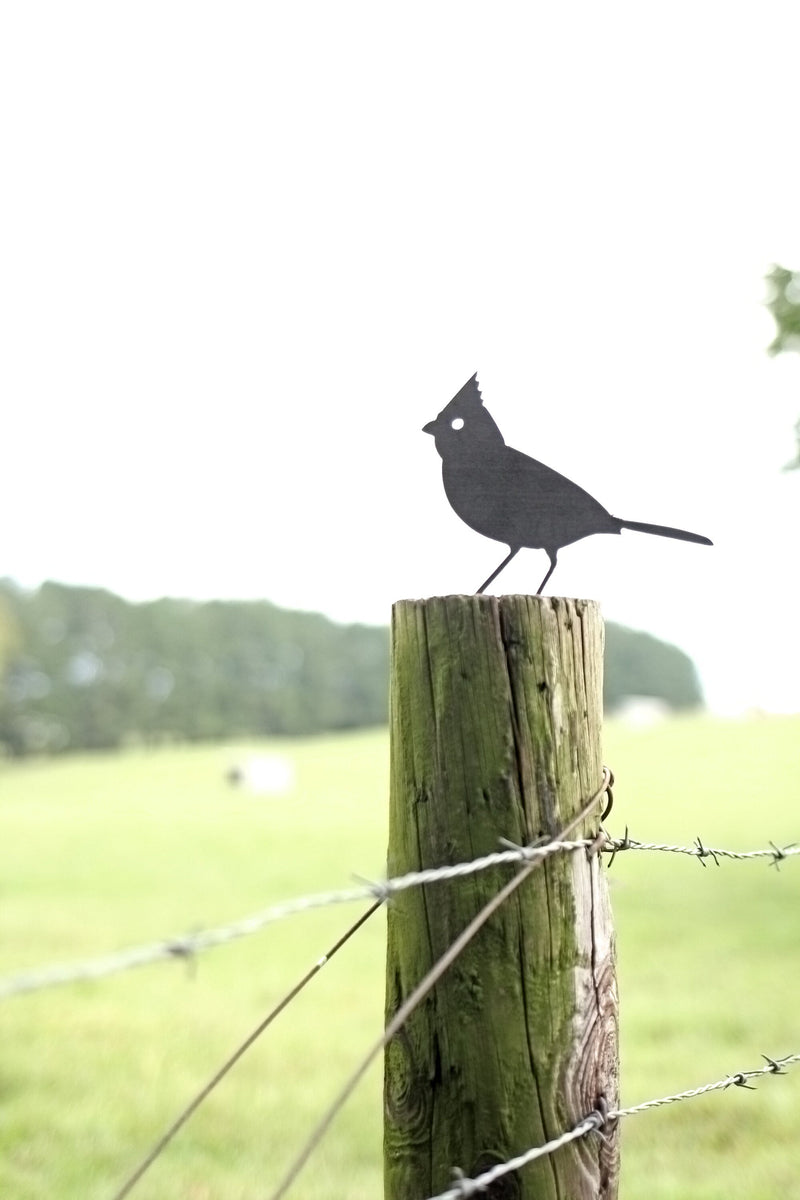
<point x="105" y="852"/>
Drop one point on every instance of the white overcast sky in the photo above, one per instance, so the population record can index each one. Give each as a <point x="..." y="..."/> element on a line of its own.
<point x="249" y="249"/>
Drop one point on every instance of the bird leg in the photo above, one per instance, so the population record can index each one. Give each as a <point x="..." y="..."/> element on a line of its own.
<point x="494" y="574"/>
<point x="553" y="556"/>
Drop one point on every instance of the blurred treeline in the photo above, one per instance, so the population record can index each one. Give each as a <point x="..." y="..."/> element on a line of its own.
<point x="81" y="668"/>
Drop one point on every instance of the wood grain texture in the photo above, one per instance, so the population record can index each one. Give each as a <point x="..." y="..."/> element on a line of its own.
<point x="496" y="707"/>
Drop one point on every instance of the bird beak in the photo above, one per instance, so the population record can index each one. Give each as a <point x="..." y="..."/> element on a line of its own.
<point x="430" y="428"/>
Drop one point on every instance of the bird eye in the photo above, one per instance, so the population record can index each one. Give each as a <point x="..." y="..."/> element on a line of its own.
<point x="457" y="423"/>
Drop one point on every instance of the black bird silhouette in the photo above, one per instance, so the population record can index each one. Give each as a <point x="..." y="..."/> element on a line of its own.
<point x="507" y="496"/>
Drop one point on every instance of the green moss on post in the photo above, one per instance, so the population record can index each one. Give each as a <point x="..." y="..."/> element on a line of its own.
<point x="495" y="724"/>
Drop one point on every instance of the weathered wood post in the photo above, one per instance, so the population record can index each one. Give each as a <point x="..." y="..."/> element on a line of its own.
<point x="496" y="706"/>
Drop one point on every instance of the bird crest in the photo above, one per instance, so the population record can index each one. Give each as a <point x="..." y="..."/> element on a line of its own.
<point x="470" y="392"/>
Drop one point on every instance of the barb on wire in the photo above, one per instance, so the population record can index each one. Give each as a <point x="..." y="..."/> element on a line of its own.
<point x="781" y="852"/>
<point x="597" y="1120"/>
<point x="427" y="984"/>
<point x="703" y="853"/>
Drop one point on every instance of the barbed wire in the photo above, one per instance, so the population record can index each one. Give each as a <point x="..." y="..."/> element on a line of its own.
<point x="528" y="857"/>
<point x="598" y="1121"/>
<point x="776" y="854"/>
<point x="186" y="946"/>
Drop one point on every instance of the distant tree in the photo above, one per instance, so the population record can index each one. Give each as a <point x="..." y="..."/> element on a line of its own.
<point x="783" y="302"/>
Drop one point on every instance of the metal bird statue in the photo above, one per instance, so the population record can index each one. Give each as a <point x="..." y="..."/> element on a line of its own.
<point x="510" y="497"/>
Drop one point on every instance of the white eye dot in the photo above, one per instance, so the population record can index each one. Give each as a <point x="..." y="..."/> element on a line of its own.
<point x="457" y="423"/>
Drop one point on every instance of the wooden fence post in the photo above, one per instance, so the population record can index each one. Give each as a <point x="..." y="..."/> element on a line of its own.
<point x="496" y="707"/>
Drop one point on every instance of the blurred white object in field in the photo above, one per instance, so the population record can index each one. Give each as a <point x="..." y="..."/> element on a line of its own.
<point x="263" y="774"/>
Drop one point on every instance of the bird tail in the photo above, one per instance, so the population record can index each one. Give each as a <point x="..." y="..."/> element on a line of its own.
<point x="667" y="531"/>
